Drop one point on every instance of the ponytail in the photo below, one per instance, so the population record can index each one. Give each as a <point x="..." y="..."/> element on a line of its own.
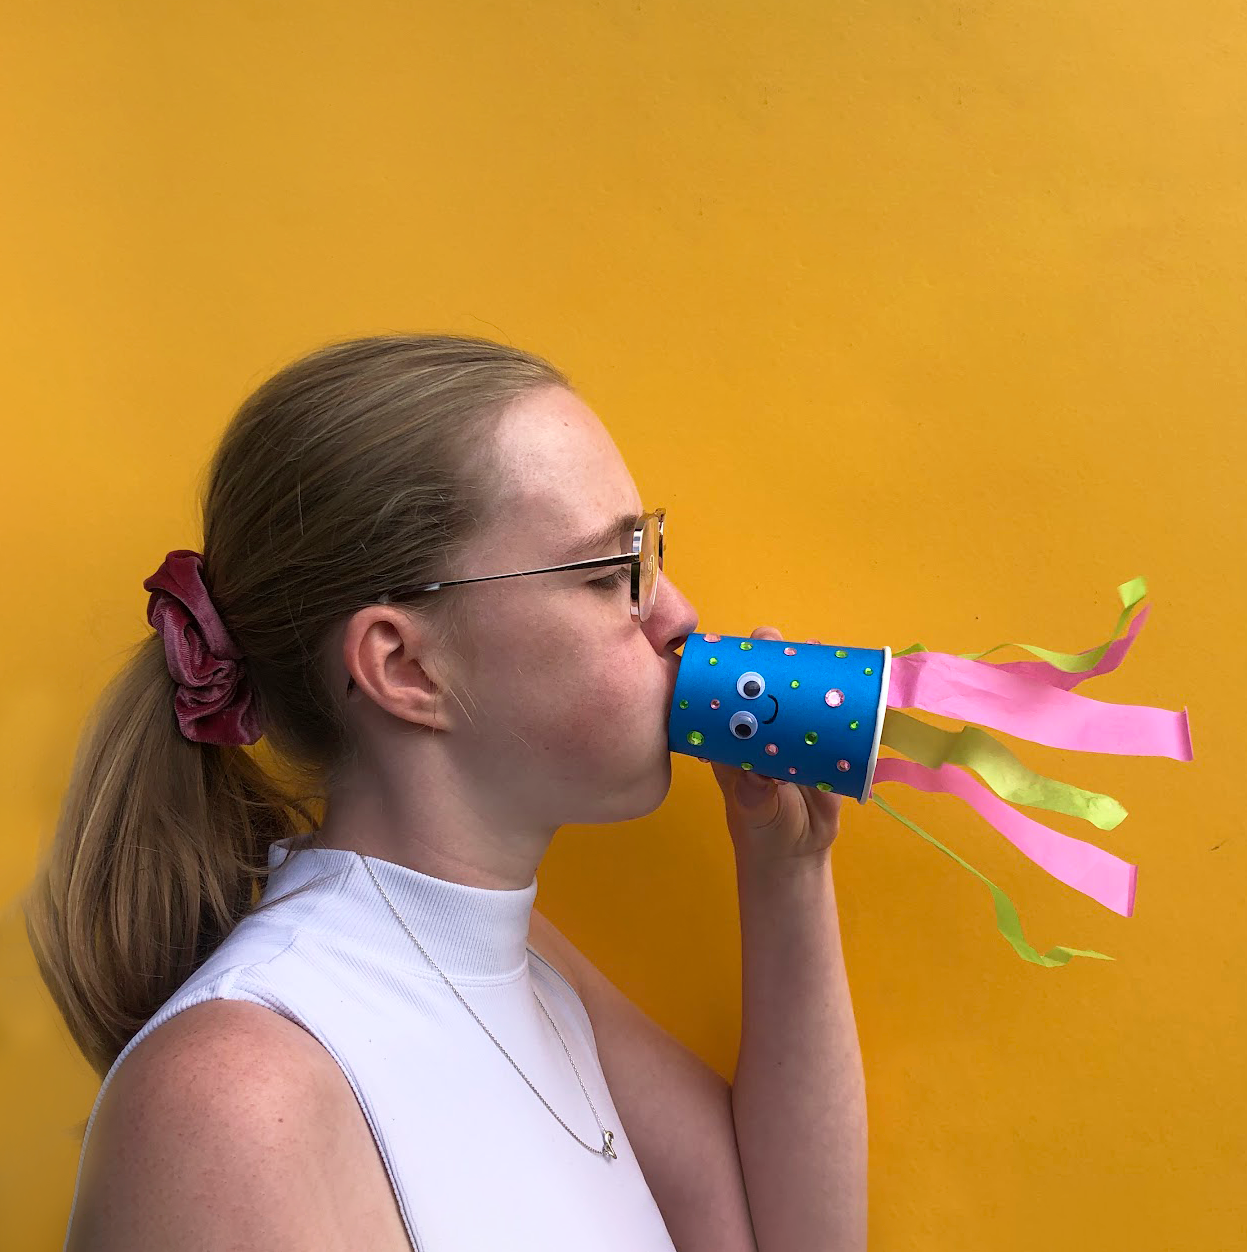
<point x="160" y="847"/>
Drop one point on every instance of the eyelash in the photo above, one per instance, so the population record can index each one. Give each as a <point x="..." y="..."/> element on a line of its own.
<point x="621" y="577"/>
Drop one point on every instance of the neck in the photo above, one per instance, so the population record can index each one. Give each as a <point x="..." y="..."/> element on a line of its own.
<point x="481" y="850"/>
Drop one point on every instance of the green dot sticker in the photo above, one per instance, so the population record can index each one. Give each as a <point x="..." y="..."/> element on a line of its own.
<point x="841" y="652"/>
<point x="811" y="737"/>
<point x="853" y="725"/>
<point x="696" y="738"/>
<point x="868" y="670"/>
<point x="745" y="765"/>
<point x="746" y="646"/>
<point x="684" y="704"/>
<point x="714" y="660"/>
<point x="823" y="786"/>
<point x="794" y="684"/>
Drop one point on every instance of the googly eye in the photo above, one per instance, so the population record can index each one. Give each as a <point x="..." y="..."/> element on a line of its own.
<point x="750" y="685"/>
<point x="743" y="725"/>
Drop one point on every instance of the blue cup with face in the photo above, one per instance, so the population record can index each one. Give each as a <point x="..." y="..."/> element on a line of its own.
<point x="809" y="713"/>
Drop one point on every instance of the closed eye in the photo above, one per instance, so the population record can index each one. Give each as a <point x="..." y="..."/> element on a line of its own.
<point x="621" y="577"/>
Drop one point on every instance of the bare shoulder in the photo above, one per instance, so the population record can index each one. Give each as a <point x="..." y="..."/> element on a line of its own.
<point x="230" y="1126"/>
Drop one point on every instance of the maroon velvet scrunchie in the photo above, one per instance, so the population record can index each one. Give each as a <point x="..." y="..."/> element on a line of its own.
<point x="214" y="701"/>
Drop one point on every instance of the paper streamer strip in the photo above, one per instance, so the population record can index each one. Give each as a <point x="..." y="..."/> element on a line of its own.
<point x="967" y="687"/>
<point x="1007" y="920"/>
<point x="1096" y="873"/>
<point x="1008" y="777"/>
<point x="1030" y="708"/>
<point x="1068" y="669"/>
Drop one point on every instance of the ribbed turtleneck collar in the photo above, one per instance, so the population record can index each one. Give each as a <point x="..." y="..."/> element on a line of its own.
<point x="470" y="932"/>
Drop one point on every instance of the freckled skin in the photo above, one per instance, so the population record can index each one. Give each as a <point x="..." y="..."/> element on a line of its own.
<point x="560" y="713"/>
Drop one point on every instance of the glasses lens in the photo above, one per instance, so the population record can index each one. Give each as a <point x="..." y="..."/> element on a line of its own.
<point x="649" y="568"/>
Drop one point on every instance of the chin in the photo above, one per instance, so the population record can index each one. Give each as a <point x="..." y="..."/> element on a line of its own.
<point x="661" y="783"/>
<point x="625" y="803"/>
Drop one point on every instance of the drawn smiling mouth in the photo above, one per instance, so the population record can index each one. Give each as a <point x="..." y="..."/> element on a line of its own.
<point x="774" y="715"/>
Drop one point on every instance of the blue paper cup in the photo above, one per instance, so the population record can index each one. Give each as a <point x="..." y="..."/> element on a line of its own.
<point x="808" y="713"/>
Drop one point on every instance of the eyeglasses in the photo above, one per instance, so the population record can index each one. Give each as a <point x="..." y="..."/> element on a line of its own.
<point x="645" y="558"/>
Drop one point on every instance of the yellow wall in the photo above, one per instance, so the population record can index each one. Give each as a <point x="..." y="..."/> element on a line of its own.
<point x="925" y="321"/>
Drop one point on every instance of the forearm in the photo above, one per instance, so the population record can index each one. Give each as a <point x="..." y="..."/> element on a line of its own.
<point x="798" y="1095"/>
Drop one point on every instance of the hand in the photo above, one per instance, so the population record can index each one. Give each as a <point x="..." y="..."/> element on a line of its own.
<point x="786" y="822"/>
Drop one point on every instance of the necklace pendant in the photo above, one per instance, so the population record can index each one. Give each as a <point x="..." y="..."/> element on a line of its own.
<point x="607" y="1150"/>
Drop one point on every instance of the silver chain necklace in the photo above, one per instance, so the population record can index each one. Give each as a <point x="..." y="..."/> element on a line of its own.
<point x="606" y="1150"/>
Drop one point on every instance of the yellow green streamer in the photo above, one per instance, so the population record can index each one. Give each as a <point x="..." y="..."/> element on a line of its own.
<point x="1007" y="920"/>
<point x="977" y="749"/>
<point x="1129" y="592"/>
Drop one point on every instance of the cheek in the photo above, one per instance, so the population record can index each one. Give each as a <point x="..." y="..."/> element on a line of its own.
<point x="590" y="724"/>
<point x="590" y="707"/>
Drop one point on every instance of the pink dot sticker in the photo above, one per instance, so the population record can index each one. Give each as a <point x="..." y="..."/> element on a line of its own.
<point x="842" y="766"/>
<point x="790" y="652"/>
<point x="713" y="638"/>
<point x="834" y="698"/>
<point x="792" y="769"/>
<point x="714" y="704"/>
<point x="772" y="749"/>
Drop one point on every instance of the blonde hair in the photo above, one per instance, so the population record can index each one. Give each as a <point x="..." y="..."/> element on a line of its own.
<point x="351" y="476"/>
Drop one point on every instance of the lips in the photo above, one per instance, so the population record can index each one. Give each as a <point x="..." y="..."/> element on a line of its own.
<point x="671" y="686"/>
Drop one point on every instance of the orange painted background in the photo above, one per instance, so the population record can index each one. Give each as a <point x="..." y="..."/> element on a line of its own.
<point x="926" y="322"/>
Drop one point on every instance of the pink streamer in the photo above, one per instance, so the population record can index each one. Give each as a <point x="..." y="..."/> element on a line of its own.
<point x="1034" y="709"/>
<point x="1046" y="672"/>
<point x="1096" y="873"/>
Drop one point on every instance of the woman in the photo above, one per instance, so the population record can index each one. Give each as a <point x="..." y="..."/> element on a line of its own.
<point x="330" y="1034"/>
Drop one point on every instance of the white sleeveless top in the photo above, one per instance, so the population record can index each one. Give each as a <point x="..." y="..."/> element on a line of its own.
<point x="475" y="1159"/>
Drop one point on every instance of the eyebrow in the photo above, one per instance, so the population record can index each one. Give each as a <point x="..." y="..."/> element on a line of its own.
<point x="614" y="535"/>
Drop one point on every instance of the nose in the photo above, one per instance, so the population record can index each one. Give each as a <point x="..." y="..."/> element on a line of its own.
<point x="672" y="606"/>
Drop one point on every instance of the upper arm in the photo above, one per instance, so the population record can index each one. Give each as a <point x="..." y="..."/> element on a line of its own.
<point x="676" y="1110"/>
<point x="221" y="1129"/>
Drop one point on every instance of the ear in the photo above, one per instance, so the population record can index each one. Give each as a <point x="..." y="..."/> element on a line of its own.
<point x="394" y="658"/>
